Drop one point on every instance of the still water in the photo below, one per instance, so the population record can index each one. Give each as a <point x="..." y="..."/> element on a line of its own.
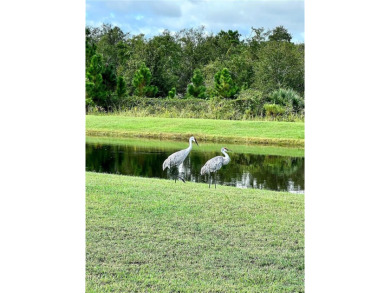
<point x="250" y="166"/>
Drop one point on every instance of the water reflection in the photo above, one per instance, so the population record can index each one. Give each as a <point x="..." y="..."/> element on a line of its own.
<point x="244" y="171"/>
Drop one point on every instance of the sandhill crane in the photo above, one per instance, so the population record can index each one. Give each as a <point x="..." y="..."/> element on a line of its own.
<point x="214" y="164"/>
<point x="176" y="159"/>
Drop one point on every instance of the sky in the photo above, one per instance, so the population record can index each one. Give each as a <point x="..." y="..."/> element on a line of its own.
<point x="151" y="17"/>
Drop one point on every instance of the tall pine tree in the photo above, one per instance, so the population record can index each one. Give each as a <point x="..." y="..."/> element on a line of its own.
<point x="197" y="88"/>
<point x="141" y="82"/>
<point x="224" y="84"/>
<point x="121" y="87"/>
<point x="96" y="93"/>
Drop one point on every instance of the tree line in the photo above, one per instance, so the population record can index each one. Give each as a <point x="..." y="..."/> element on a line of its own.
<point x="193" y="63"/>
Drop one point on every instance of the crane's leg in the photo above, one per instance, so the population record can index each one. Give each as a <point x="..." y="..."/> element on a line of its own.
<point x="181" y="175"/>
<point x="209" y="179"/>
<point x="171" y="172"/>
<point x="181" y="178"/>
<point x="215" y="180"/>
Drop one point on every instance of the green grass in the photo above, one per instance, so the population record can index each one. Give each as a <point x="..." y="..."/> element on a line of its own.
<point x="152" y="235"/>
<point x="263" y="132"/>
<point x="203" y="146"/>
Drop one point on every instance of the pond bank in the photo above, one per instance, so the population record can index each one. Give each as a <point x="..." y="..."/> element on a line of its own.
<point x="153" y="234"/>
<point x="231" y="131"/>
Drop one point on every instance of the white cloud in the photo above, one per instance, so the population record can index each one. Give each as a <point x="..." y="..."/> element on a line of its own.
<point x="149" y="16"/>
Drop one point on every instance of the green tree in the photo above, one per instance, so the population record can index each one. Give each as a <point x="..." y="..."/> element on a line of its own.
<point x="228" y="41"/>
<point x="241" y="69"/>
<point x="141" y="82"/>
<point x="259" y="35"/>
<point x="254" y="44"/>
<point x="94" y="81"/>
<point x="113" y="45"/>
<point x="136" y="55"/>
<point x="91" y="36"/>
<point x="197" y="88"/>
<point x="109" y="77"/>
<point x="164" y="61"/>
<point x="194" y="53"/>
<point x="224" y="84"/>
<point x="121" y="87"/>
<point x="280" y="65"/>
<point x="280" y="34"/>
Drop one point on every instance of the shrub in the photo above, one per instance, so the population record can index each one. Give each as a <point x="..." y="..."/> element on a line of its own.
<point x="250" y="102"/>
<point x="89" y="104"/>
<point x="248" y="106"/>
<point x="273" y="110"/>
<point x="172" y="93"/>
<point x="151" y="91"/>
<point x="289" y="99"/>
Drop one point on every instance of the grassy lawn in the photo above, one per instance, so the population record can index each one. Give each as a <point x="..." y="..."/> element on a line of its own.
<point x="204" y="146"/>
<point x="153" y="235"/>
<point x="264" y="132"/>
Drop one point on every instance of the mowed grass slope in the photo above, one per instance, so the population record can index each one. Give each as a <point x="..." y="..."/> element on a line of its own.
<point x="152" y="235"/>
<point x="266" y="132"/>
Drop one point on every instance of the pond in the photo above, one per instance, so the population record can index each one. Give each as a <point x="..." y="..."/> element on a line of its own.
<point x="251" y="166"/>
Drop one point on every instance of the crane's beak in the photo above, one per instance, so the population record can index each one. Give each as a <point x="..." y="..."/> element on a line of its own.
<point x="196" y="142"/>
<point x="228" y="150"/>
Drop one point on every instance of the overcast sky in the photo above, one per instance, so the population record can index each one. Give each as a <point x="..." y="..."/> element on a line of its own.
<point x="151" y="17"/>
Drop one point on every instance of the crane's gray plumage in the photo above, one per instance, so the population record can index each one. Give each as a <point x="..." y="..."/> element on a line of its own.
<point x="176" y="159"/>
<point x="212" y="165"/>
<point x="216" y="163"/>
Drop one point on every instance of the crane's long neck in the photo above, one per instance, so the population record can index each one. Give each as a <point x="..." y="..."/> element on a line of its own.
<point x="226" y="158"/>
<point x="190" y="147"/>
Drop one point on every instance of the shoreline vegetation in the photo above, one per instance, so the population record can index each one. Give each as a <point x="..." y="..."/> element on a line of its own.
<point x="249" y="106"/>
<point x="142" y="234"/>
<point x="274" y="133"/>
